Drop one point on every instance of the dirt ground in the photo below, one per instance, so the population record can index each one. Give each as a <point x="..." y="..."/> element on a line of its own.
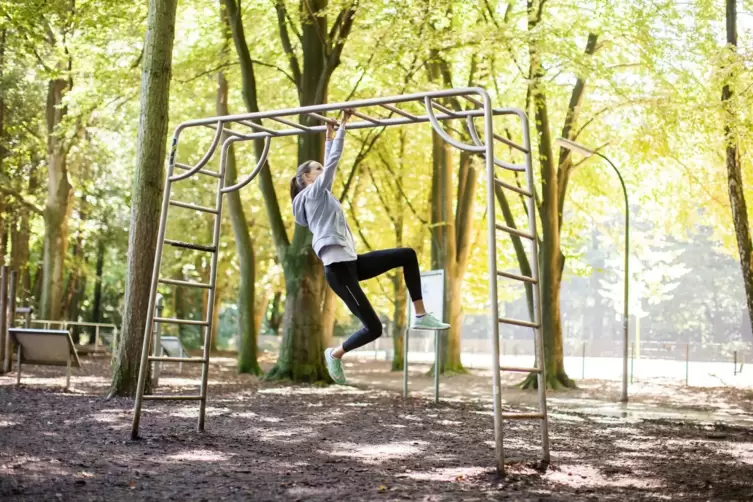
<point x="270" y="442"/>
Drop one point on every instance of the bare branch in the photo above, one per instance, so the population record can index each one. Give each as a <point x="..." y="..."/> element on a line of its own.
<point x="282" y="17"/>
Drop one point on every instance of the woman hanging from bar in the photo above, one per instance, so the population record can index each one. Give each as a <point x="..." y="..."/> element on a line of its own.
<point x="315" y="207"/>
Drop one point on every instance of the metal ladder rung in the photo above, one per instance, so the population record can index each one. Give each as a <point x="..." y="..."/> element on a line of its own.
<point x="519" y="369"/>
<point x="521" y="191"/>
<point x="258" y="127"/>
<point x="174" y="320"/>
<point x="510" y="143"/>
<point x="169" y="359"/>
<point x="506" y="165"/>
<point x="187" y="205"/>
<point x="188" y="245"/>
<point x="228" y="131"/>
<point x="291" y="123"/>
<point x="400" y="112"/>
<point x="518" y="322"/>
<point x="474" y="101"/>
<point x="523" y="416"/>
<point x="367" y="118"/>
<point x="189" y="284"/>
<point x="152" y="397"/>
<point x="522" y="278"/>
<point x="444" y="109"/>
<point x="322" y="118"/>
<point x="186" y="167"/>
<point x="514" y="231"/>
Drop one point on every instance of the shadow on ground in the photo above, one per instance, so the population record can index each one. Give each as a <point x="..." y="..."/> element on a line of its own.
<point x="277" y="442"/>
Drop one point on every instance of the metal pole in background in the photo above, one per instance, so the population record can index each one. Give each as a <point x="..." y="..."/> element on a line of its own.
<point x="734" y="362"/>
<point x="587" y="152"/>
<point x="687" y="363"/>
<point x="3" y="311"/>
<point x="632" y="361"/>
<point x="10" y="320"/>
<point x="405" y="362"/>
<point x="583" y="363"/>
<point x="157" y="348"/>
<point x="437" y="362"/>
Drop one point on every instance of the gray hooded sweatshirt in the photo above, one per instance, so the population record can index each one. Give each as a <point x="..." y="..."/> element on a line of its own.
<point x="316" y="208"/>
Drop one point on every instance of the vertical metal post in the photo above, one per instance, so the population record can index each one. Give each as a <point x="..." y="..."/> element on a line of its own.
<point x="11" y="320"/>
<point x="153" y="291"/>
<point x="492" y="265"/>
<point x="734" y="362"/>
<point x="405" y="362"/>
<point x="531" y="203"/>
<point x="3" y="311"/>
<point x="157" y="348"/>
<point x="18" y="363"/>
<point x="632" y="361"/>
<point x="209" y="327"/>
<point x="687" y="363"/>
<point x="437" y="341"/>
<point x="583" y="362"/>
<point x="96" y="337"/>
<point x="68" y="373"/>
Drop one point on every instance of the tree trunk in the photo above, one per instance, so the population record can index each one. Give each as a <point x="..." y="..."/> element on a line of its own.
<point x="275" y="315"/>
<point x="248" y="336"/>
<point x="147" y="193"/>
<point x="57" y="209"/>
<point x="300" y="356"/>
<point x="329" y="310"/>
<point x="96" y="314"/>
<point x="734" y="171"/>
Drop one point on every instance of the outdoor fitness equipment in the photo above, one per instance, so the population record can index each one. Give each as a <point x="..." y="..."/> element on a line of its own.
<point x="248" y="126"/>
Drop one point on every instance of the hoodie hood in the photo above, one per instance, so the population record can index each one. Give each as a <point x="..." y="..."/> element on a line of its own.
<point x="299" y="208"/>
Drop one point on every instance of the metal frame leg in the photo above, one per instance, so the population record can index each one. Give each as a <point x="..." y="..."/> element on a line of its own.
<point x="437" y="344"/>
<point x="68" y="374"/>
<point x="18" y="363"/>
<point x="405" y="362"/>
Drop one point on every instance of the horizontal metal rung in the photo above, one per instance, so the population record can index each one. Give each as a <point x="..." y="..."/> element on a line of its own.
<point x="444" y="109"/>
<point x="514" y="231"/>
<point x="521" y="191"/>
<point x="186" y="167"/>
<point x="188" y="245"/>
<point x="187" y="205"/>
<point x="474" y="101"/>
<point x="168" y="359"/>
<point x="173" y="398"/>
<point x="258" y="127"/>
<point x="188" y="284"/>
<point x="400" y="112"/>
<point x="518" y="322"/>
<point x="511" y="144"/>
<point x="519" y="370"/>
<point x="517" y="277"/>
<point x="523" y="416"/>
<point x="173" y="320"/>
<point x="228" y="131"/>
<point x="323" y="118"/>
<point x="367" y="118"/>
<point x="291" y="123"/>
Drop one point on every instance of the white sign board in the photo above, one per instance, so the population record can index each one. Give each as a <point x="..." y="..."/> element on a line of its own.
<point x="432" y="289"/>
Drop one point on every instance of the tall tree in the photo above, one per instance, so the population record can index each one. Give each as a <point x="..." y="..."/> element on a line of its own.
<point x="734" y="169"/>
<point x="247" y="343"/>
<point x="146" y="192"/>
<point x="300" y="356"/>
<point x="554" y="180"/>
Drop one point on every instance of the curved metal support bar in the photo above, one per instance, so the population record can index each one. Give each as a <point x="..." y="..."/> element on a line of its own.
<point x="250" y="177"/>
<point x="449" y="139"/>
<point x="474" y="135"/>
<point x="204" y="159"/>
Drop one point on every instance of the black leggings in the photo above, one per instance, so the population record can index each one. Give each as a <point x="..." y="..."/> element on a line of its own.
<point x="343" y="278"/>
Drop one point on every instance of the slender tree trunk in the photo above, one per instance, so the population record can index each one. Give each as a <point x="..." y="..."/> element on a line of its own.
<point x="96" y="314"/>
<point x="734" y="170"/>
<point x="147" y="192"/>
<point x="57" y="209"/>
<point x="248" y="335"/>
<point x="275" y="315"/>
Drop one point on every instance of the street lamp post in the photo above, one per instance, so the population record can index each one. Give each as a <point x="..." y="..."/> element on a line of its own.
<point x="587" y="152"/>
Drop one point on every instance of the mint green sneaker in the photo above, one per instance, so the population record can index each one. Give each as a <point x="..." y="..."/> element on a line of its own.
<point x="335" y="367"/>
<point x="429" y="322"/>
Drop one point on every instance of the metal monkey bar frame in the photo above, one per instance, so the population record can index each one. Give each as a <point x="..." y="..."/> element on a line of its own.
<point x="231" y="129"/>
